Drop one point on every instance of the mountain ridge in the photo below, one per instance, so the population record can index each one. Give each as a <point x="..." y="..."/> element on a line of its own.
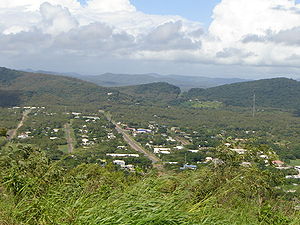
<point x="276" y="93"/>
<point x="185" y="82"/>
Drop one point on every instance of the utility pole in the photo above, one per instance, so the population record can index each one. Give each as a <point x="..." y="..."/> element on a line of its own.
<point x="254" y="105"/>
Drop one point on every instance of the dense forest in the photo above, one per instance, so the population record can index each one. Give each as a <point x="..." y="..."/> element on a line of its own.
<point x="21" y="88"/>
<point x="274" y="93"/>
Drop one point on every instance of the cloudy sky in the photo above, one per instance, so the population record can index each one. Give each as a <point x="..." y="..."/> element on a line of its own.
<point x="217" y="38"/>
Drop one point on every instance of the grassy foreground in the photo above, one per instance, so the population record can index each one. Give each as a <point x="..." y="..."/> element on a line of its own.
<point x="35" y="191"/>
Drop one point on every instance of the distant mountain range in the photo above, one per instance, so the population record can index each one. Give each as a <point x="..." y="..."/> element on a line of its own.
<point x="118" y="80"/>
<point x="20" y="88"/>
<point x="28" y="88"/>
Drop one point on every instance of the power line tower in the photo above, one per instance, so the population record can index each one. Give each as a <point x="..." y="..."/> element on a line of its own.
<point x="254" y="105"/>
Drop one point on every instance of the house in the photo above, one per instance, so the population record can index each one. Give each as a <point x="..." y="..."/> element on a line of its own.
<point x="111" y="136"/>
<point x="143" y="131"/>
<point x="55" y="130"/>
<point x="246" y="164"/>
<point x="23" y="136"/>
<point x="191" y="167"/>
<point x="264" y="156"/>
<point x="53" y="138"/>
<point x="123" y="155"/>
<point x="179" y="147"/>
<point x="158" y="150"/>
<point x="171" y="139"/>
<point x="194" y="151"/>
<point x="208" y="159"/>
<point x="165" y="152"/>
<point x="85" y="141"/>
<point x="240" y="151"/>
<point x="278" y="163"/>
<point x="119" y="163"/>
<point x="172" y="163"/>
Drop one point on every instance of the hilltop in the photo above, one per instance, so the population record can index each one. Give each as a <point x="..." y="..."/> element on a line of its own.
<point x="21" y="88"/>
<point x="160" y="92"/>
<point x="185" y="82"/>
<point x="275" y="93"/>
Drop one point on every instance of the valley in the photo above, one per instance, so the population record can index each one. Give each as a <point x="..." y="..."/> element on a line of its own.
<point x="75" y="140"/>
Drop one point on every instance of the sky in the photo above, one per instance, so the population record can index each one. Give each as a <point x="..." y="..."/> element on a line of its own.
<point x="214" y="38"/>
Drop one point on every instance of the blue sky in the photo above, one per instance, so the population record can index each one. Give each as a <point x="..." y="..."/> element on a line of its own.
<point x="198" y="10"/>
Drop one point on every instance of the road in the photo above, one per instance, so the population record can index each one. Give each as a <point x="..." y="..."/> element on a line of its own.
<point x="69" y="138"/>
<point x="182" y="140"/>
<point x="134" y="144"/>
<point x="12" y="133"/>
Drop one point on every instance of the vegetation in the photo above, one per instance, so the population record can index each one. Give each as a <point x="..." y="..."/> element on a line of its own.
<point x="220" y="164"/>
<point x="35" y="191"/>
<point x="22" y="88"/>
<point x="3" y="132"/>
<point x="276" y="93"/>
<point x="152" y="93"/>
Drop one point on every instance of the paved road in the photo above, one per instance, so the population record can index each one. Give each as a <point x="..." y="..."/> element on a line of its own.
<point x="134" y="144"/>
<point x="12" y="133"/>
<point x="182" y="140"/>
<point x="69" y="138"/>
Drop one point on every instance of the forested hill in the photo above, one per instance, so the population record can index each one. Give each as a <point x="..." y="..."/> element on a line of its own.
<point x="160" y="92"/>
<point x="276" y="93"/>
<point x="20" y="88"/>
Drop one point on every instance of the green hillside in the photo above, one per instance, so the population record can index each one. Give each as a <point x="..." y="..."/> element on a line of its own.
<point x="35" y="191"/>
<point x="275" y="93"/>
<point x="152" y="93"/>
<point x="20" y="88"/>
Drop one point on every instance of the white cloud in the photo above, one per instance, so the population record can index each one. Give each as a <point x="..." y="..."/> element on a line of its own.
<point x="243" y="32"/>
<point x="110" y="6"/>
<point x="56" y="19"/>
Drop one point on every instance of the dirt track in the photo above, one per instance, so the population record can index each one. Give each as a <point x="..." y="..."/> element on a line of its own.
<point x="12" y="133"/>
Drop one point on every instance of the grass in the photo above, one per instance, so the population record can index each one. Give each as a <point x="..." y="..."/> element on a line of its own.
<point x="63" y="148"/>
<point x="92" y="195"/>
<point x="203" y="104"/>
<point x="295" y="162"/>
<point x="2" y="140"/>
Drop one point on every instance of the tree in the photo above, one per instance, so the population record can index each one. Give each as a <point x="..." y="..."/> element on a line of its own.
<point x="3" y="132"/>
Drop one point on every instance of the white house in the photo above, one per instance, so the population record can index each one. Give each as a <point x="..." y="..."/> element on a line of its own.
<point x="240" y="151"/>
<point x="85" y="141"/>
<point x="119" y="162"/>
<point x="179" y="147"/>
<point x="158" y="150"/>
<point x="194" y="151"/>
<point x="123" y="155"/>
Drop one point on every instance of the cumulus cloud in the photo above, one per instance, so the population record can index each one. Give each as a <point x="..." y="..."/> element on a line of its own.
<point x="56" y="19"/>
<point x="243" y="32"/>
<point x="169" y="36"/>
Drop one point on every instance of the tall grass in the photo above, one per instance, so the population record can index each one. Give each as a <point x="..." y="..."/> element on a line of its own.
<point x="92" y="195"/>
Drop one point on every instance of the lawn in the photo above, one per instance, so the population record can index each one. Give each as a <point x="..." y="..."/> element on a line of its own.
<point x="63" y="148"/>
<point x="295" y="162"/>
<point x="203" y="104"/>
